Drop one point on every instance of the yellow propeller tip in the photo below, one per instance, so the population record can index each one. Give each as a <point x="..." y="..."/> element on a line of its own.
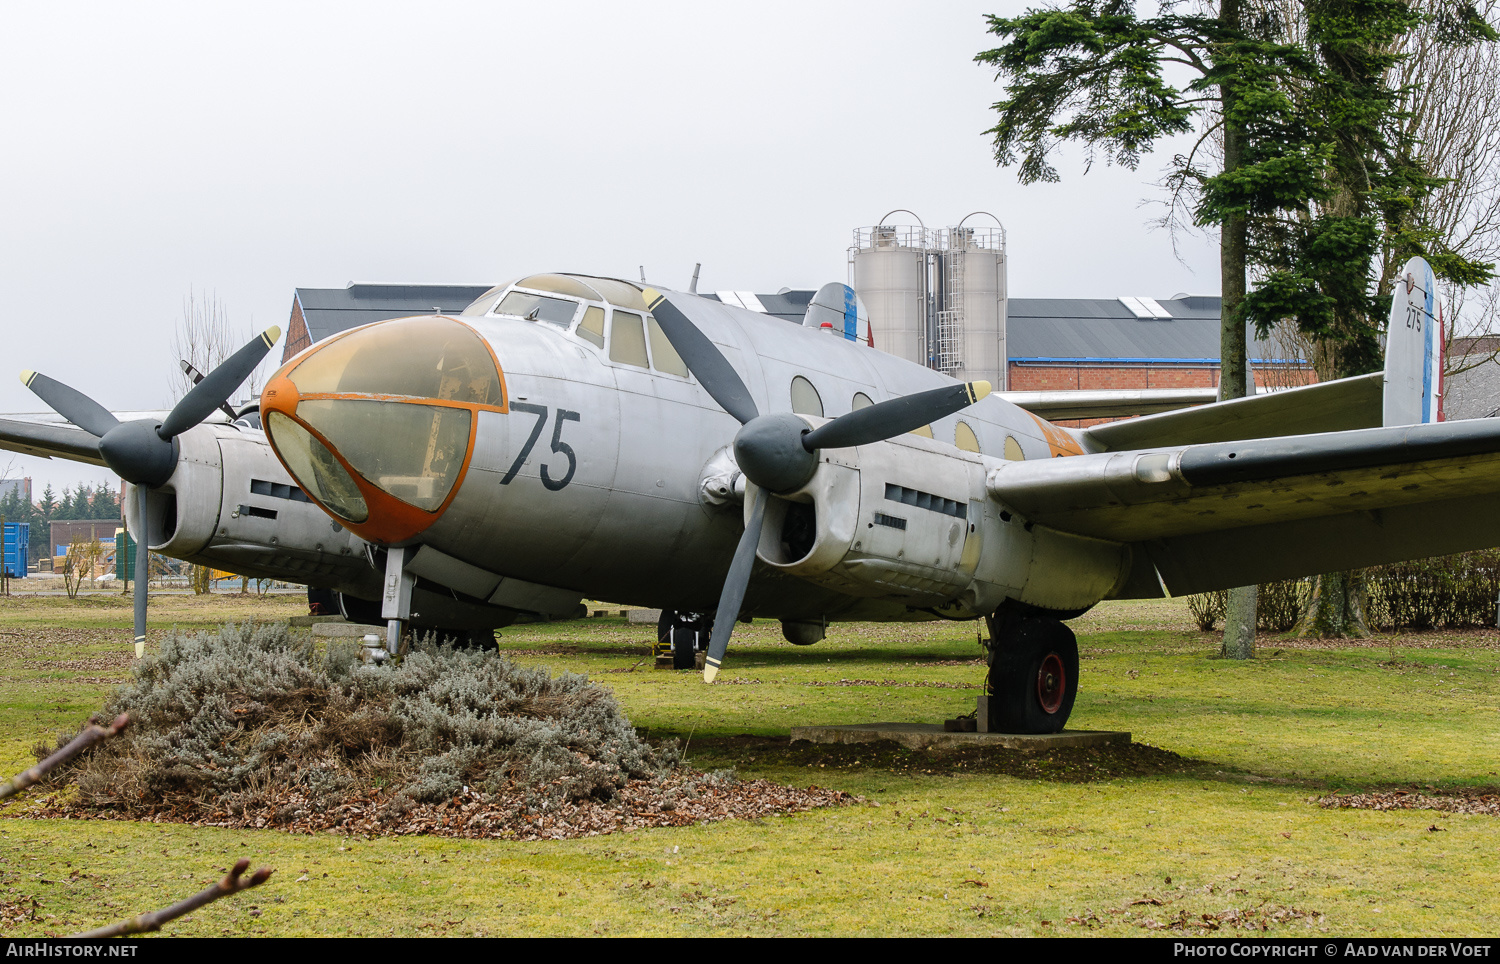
<point x="27" y="376"/>
<point x="271" y="335"/>
<point x="709" y="672"/>
<point x="979" y="389"/>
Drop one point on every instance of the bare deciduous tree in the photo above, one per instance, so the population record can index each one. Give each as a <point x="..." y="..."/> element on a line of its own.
<point x="1453" y="98"/>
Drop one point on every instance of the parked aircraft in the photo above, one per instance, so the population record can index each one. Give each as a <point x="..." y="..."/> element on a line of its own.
<point x="568" y="436"/>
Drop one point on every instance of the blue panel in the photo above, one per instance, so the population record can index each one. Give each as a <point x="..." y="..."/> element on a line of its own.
<point x="851" y="315"/>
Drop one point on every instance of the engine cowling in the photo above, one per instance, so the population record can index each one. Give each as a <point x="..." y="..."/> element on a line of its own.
<point x="910" y="519"/>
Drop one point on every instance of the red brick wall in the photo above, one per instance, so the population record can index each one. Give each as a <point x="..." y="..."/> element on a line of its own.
<point x="297" y="337"/>
<point x="1059" y="377"/>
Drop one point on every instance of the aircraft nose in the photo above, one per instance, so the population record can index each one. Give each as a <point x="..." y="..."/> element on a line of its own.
<point x="377" y="424"/>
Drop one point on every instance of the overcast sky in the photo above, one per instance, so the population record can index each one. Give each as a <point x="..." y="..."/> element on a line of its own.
<point x="150" y="149"/>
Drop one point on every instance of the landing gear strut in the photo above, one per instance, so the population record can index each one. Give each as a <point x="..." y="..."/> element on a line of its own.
<point x="1033" y="676"/>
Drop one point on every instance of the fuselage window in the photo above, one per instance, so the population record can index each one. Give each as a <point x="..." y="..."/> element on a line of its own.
<point x="591" y="328"/>
<point x="805" y="398"/>
<point x="627" y="339"/>
<point x="554" y="311"/>
<point x="965" y="439"/>
<point x="664" y="357"/>
<point x="1013" y="450"/>
<point x="861" y="400"/>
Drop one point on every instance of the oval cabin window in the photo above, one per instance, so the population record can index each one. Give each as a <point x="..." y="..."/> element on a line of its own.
<point x="965" y="439"/>
<point x="805" y="398"/>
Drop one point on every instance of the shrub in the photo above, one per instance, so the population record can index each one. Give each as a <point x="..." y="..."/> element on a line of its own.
<point x="240" y="715"/>
<point x="1278" y="606"/>
<point x="1447" y="592"/>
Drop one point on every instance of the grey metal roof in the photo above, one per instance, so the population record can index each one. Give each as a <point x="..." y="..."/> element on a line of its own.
<point x="1096" y="328"/>
<point x="329" y="311"/>
<point x="1062" y="329"/>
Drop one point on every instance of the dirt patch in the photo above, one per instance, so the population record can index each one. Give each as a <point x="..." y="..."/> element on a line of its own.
<point x="685" y="797"/>
<point x="1067" y="764"/>
<point x="1485" y="800"/>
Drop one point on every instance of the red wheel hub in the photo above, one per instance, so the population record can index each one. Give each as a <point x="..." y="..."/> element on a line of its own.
<point x="1051" y="683"/>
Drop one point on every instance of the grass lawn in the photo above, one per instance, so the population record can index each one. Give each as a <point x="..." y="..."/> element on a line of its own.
<point x="965" y="845"/>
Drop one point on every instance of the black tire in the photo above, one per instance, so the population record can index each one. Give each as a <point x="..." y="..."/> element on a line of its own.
<point x="1033" y="678"/>
<point x="683" y="634"/>
<point x="358" y="610"/>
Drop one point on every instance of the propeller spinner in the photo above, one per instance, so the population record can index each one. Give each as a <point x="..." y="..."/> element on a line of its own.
<point x="778" y="451"/>
<point x="143" y="452"/>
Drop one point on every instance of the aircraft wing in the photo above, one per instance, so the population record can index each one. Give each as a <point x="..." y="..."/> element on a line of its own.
<point x="48" y="441"/>
<point x="1210" y="516"/>
<point x="1336" y="406"/>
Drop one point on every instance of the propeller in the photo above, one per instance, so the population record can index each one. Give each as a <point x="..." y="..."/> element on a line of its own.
<point x="778" y="451"/>
<point x="143" y="452"/>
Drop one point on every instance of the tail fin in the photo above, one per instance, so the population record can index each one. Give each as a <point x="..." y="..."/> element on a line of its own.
<point x="1413" y="350"/>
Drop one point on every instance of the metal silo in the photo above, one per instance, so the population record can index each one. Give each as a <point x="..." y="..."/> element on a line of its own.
<point x="889" y="270"/>
<point x="971" y="324"/>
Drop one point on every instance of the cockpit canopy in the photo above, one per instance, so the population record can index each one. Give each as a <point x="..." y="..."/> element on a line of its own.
<point x="383" y="417"/>
<point x="607" y="313"/>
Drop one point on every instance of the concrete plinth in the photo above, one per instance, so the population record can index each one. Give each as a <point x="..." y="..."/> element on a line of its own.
<point x="923" y="736"/>
<point x="346" y="630"/>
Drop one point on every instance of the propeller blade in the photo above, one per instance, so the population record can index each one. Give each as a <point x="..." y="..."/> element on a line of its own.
<point x="217" y="385"/>
<point x="734" y="587"/>
<point x="896" y="416"/>
<point x="71" y="404"/>
<point x="142" y="570"/>
<point x="702" y="358"/>
<point x="196" y="376"/>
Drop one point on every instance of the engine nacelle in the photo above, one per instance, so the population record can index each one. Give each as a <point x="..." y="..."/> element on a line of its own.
<point x="231" y="505"/>
<point x="910" y="518"/>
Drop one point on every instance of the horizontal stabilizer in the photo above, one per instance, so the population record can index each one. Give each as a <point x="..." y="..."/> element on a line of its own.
<point x="1108" y="403"/>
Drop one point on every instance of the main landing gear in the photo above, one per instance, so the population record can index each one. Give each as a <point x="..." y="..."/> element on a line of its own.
<point x="683" y="634"/>
<point x="1033" y="674"/>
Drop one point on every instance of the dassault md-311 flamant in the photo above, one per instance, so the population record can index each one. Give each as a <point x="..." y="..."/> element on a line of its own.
<point x="568" y="436"/>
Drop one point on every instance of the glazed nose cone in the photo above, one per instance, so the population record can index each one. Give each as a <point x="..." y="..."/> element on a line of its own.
<point x="376" y="425"/>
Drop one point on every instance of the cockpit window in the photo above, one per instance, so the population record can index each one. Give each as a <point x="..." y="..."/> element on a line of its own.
<point x="664" y="357"/>
<point x="621" y="294"/>
<point x="591" y="328"/>
<point x="627" y="339"/>
<point x="554" y="311"/>
<point x="414" y="452"/>
<point x="482" y="305"/>
<point x="561" y="284"/>
<point x="415" y="357"/>
<point x="317" y="470"/>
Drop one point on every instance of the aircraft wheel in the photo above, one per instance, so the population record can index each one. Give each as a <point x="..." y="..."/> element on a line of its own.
<point x="358" y="610"/>
<point x="1033" y="677"/>
<point x="684" y="634"/>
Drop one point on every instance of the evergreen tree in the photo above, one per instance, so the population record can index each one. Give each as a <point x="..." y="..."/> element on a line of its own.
<point x="1308" y="183"/>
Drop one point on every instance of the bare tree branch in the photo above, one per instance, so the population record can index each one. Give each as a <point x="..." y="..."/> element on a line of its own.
<point x="91" y="735"/>
<point x="232" y="883"/>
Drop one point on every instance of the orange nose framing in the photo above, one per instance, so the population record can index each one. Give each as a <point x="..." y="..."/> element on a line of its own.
<point x="392" y="396"/>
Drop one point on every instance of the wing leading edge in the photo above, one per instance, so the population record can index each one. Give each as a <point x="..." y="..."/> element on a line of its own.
<point x="1202" y="517"/>
<point x="49" y="441"/>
